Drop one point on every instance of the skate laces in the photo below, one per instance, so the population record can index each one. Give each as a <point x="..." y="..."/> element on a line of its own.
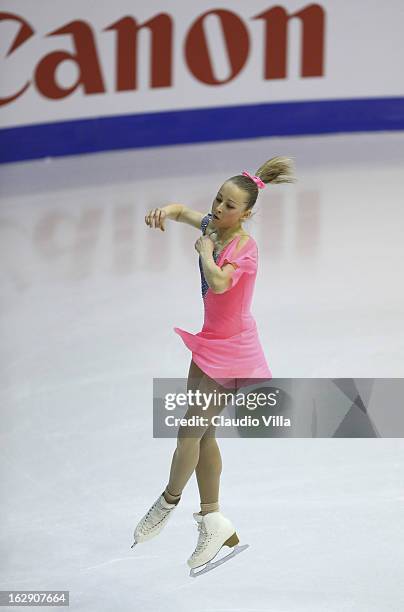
<point x="157" y="511"/>
<point x="203" y="538"/>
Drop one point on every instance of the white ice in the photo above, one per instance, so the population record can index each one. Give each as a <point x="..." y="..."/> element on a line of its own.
<point x="89" y="299"/>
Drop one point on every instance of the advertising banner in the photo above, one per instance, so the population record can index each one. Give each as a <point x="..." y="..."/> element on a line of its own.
<point x="85" y="76"/>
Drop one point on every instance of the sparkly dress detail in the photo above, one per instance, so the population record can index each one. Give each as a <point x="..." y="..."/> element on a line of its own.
<point x="204" y="284"/>
<point x="228" y="346"/>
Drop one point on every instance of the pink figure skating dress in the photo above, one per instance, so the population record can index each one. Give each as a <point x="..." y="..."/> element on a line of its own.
<point x="228" y="347"/>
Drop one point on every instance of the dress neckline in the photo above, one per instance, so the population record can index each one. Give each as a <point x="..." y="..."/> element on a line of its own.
<point x="218" y="255"/>
<point x="239" y="236"/>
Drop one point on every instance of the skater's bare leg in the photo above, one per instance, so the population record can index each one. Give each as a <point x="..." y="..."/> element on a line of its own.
<point x="185" y="458"/>
<point x="186" y="455"/>
<point x="195" y="375"/>
<point x="208" y="472"/>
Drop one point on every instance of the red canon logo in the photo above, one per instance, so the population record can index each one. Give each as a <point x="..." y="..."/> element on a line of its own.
<point x="196" y="51"/>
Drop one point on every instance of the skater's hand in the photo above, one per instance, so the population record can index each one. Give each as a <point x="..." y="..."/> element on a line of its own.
<point x="205" y="245"/>
<point x="156" y="218"/>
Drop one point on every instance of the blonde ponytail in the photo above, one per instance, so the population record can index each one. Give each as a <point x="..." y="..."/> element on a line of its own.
<point x="277" y="170"/>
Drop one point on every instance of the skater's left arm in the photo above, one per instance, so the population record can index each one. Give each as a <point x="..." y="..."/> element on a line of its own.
<point x="218" y="279"/>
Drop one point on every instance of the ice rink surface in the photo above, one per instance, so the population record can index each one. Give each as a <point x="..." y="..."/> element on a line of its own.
<point x="89" y="298"/>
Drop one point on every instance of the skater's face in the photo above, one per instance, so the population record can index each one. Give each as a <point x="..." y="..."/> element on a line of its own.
<point x="229" y="206"/>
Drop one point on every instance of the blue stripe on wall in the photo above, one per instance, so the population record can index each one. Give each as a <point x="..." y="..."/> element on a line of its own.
<point x="200" y="125"/>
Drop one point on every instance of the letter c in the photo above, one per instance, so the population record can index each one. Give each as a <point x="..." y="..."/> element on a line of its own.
<point x="25" y="32"/>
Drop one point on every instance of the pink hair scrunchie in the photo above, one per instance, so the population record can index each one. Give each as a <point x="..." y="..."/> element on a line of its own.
<point x="260" y="184"/>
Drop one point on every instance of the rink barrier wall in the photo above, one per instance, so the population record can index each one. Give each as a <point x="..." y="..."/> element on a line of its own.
<point x="158" y="129"/>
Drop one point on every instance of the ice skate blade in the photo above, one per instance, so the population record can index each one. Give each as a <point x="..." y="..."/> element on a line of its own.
<point x="210" y="566"/>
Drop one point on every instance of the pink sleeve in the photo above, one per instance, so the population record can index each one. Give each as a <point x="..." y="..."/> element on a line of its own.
<point x="245" y="262"/>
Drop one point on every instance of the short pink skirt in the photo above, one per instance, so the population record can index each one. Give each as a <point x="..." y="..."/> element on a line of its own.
<point x="232" y="361"/>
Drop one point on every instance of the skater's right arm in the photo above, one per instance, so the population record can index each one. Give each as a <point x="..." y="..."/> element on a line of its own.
<point x="177" y="212"/>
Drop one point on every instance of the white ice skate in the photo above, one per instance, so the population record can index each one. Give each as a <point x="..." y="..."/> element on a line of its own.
<point x="215" y="531"/>
<point x="153" y="521"/>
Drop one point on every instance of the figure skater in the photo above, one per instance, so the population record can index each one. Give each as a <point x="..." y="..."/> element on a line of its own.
<point x="225" y="350"/>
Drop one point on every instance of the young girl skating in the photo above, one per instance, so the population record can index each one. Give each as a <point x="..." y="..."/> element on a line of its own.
<point x="226" y="349"/>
